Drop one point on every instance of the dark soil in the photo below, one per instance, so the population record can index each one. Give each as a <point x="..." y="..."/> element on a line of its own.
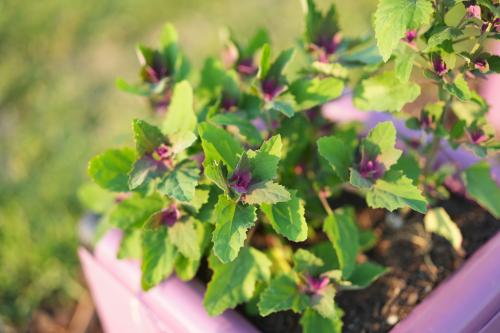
<point x="418" y="263"/>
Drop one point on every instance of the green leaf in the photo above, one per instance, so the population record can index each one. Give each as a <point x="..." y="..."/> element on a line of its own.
<point x="130" y="245"/>
<point x="324" y="303"/>
<point x="403" y="64"/>
<point x="133" y="212"/>
<point x="267" y="193"/>
<point x="367" y="239"/>
<point x="180" y="116"/>
<point x="384" y="92"/>
<point x="282" y="294"/>
<point x="312" y="322"/>
<point x="232" y="221"/>
<point x="264" y="162"/>
<point x="144" y="170"/>
<point x="394" y="17"/>
<point x="482" y="187"/>
<point x="381" y="142"/>
<point x="181" y="141"/>
<point x="258" y="40"/>
<point x="439" y="222"/>
<point x="110" y="169"/>
<point x="279" y="64"/>
<point x="364" y="274"/>
<point x="186" y="268"/>
<point x="200" y="198"/>
<point x="272" y="146"/>
<point x="408" y="164"/>
<point x="306" y="262"/>
<point x="444" y="34"/>
<point x="459" y="88"/>
<point x="234" y="283"/>
<point x="287" y="218"/>
<point x="312" y="92"/>
<point x="147" y="137"/>
<point x="493" y="63"/>
<point x="181" y="182"/>
<point x="265" y="61"/>
<point x="213" y="75"/>
<point x="185" y="237"/>
<point x="168" y="42"/>
<point x="339" y="154"/>
<point x="394" y="191"/>
<point x="284" y="108"/>
<point x="246" y="128"/>
<point x="141" y="90"/>
<point x="342" y="231"/>
<point x="219" y="145"/>
<point x="359" y="181"/>
<point x="326" y="252"/>
<point x="158" y="257"/>
<point x="214" y="172"/>
<point x="318" y="23"/>
<point x="365" y="54"/>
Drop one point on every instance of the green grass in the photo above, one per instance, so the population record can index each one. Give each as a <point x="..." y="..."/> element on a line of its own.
<point x="59" y="106"/>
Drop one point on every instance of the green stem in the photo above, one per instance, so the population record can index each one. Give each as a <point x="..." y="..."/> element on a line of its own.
<point x="481" y="39"/>
<point x="268" y="120"/>
<point x="436" y="141"/>
<point x="323" y="196"/>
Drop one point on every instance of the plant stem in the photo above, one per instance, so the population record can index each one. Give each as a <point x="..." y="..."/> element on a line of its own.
<point x="481" y="39"/>
<point x="431" y="157"/>
<point x="436" y="142"/>
<point x="323" y="195"/>
<point x="268" y="120"/>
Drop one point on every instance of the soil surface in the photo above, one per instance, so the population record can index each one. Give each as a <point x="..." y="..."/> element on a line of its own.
<point x="418" y="263"/>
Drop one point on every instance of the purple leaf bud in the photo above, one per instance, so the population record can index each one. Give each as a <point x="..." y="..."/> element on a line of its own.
<point x="228" y="102"/>
<point x="477" y="136"/>
<point x="473" y="11"/>
<point x="410" y="36"/>
<point x="371" y="168"/>
<point x="439" y="65"/>
<point x="156" y="70"/>
<point x="481" y="65"/>
<point x="170" y="215"/>
<point x="271" y="88"/>
<point x="325" y="46"/>
<point x="163" y="151"/>
<point x="484" y="26"/>
<point x="240" y="181"/>
<point x="160" y="103"/>
<point x="316" y="285"/>
<point x="246" y="67"/>
<point x="328" y="43"/>
<point x="425" y="120"/>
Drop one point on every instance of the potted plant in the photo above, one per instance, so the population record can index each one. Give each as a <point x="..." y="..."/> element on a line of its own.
<point x="244" y="184"/>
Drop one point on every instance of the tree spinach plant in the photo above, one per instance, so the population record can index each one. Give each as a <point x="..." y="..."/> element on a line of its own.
<point x="243" y="169"/>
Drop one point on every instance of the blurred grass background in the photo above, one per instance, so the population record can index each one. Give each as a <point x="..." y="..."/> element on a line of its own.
<point x="59" y="106"/>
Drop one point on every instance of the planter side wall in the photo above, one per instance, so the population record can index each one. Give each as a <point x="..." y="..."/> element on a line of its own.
<point x="467" y="302"/>
<point x="172" y="306"/>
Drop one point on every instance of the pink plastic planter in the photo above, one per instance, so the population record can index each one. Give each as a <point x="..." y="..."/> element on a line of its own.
<point x="468" y="302"/>
<point x="173" y="306"/>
